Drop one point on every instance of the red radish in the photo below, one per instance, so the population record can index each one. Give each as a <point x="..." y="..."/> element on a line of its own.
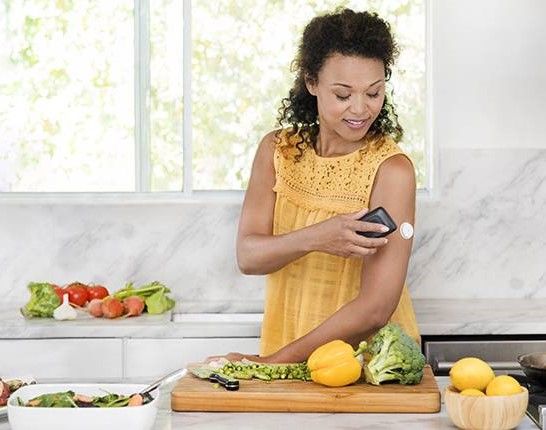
<point x="95" y="307"/>
<point x="112" y="307"/>
<point x="4" y="393"/>
<point x="83" y="398"/>
<point x="135" y="400"/>
<point x="134" y="306"/>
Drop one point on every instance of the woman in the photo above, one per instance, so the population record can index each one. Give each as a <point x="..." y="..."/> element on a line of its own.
<point x="334" y="156"/>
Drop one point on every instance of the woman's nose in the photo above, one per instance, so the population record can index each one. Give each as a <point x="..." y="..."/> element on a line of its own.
<point x="359" y="107"/>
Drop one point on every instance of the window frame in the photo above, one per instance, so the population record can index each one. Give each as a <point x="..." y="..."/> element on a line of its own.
<point x="142" y="83"/>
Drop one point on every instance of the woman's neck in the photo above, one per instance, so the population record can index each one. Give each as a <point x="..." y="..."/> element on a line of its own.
<point x="329" y="145"/>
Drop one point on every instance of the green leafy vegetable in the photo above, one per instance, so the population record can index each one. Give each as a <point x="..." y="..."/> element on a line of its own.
<point x="43" y="301"/>
<point x="154" y="295"/>
<point x="394" y="357"/>
<point x="54" y="400"/>
<point x="68" y="399"/>
<point x="158" y="303"/>
<point x="111" y="401"/>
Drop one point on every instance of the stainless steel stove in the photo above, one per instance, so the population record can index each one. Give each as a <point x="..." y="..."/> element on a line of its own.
<point x="536" y="409"/>
<point x="500" y="352"/>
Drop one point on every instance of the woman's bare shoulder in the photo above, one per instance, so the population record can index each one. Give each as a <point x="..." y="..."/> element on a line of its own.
<point x="396" y="172"/>
<point x="398" y="166"/>
<point x="270" y="141"/>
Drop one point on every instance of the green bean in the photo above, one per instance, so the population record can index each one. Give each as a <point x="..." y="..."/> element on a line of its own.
<point x="263" y="371"/>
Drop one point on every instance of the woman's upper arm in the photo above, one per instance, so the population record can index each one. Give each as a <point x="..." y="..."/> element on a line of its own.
<point x="259" y="202"/>
<point x="384" y="273"/>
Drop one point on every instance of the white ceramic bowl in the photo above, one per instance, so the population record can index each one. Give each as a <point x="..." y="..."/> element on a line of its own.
<point x="32" y="418"/>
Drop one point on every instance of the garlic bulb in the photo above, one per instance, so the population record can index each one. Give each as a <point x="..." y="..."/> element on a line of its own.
<point x="64" y="311"/>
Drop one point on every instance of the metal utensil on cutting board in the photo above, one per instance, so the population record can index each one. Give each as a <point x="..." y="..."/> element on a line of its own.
<point x="212" y="374"/>
<point x="145" y="393"/>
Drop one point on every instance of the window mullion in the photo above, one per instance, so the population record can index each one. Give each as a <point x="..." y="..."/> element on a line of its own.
<point x="431" y="154"/>
<point x="186" y="89"/>
<point x="142" y="95"/>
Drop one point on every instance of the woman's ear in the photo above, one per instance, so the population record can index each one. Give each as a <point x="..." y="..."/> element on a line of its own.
<point x="311" y="85"/>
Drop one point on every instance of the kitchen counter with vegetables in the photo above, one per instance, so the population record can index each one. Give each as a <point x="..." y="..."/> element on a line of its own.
<point x="435" y="317"/>
<point x="48" y="300"/>
<point x="385" y="374"/>
<point x="168" y="420"/>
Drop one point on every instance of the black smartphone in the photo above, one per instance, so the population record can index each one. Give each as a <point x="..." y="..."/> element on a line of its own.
<point x="379" y="216"/>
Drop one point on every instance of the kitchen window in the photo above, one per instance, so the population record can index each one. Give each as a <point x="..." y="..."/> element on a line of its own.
<point x="167" y="95"/>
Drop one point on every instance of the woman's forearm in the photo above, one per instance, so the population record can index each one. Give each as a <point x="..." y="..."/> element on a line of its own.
<point x="352" y="323"/>
<point x="261" y="254"/>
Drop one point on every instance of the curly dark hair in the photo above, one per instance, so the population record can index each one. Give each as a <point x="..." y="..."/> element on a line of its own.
<point x="345" y="32"/>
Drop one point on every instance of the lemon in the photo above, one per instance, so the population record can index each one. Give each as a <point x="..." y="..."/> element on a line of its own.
<point x="471" y="372"/>
<point x="472" y="392"/>
<point x="503" y="385"/>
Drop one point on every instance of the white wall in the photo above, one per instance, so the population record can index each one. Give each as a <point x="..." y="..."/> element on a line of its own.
<point x="490" y="73"/>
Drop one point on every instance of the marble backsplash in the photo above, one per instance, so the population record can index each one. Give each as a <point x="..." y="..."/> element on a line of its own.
<point x="483" y="235"/>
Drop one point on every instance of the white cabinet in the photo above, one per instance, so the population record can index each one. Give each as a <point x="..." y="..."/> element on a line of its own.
<point x="75" y="359"/>
<point x="106" y="359"/>
<point x="151" y="358"/>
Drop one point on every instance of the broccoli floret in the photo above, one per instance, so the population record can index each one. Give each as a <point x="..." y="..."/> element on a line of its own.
<point x="394" y="357"/>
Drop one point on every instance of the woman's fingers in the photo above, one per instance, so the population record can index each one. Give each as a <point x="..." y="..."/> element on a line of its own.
<point x="360" y="251"/>
<point x="232" y="356"/>
<point x="359" y="214"/>
<point x="368" y="226"/>
<point x="369" y="242"/>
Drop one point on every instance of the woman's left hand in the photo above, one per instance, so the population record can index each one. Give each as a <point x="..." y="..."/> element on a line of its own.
<point x="237" y="356"/>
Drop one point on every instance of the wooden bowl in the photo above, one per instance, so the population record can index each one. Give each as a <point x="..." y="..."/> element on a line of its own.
<point x="485" y="412"/>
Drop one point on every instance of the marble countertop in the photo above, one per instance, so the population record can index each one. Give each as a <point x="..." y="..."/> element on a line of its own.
<point x="435" y="317"/>
<point x="168" y="420"/>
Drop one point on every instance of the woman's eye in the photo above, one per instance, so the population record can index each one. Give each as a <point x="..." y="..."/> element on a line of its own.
<point x="374" y="96"/>
<point x="341" y="97"/>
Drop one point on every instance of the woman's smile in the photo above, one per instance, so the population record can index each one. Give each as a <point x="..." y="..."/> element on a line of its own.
<point x="355" y="124"/>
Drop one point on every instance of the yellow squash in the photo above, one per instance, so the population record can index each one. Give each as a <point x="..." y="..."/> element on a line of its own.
<point x="335" y="363"/>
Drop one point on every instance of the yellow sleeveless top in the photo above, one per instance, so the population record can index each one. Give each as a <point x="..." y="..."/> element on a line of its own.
<point x="304" y="293"/>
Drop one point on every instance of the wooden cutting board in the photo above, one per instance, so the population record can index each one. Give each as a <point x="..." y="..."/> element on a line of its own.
<point x="194" y="394"/>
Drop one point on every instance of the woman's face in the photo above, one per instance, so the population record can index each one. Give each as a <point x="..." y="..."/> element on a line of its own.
<point x="350" y="91"/>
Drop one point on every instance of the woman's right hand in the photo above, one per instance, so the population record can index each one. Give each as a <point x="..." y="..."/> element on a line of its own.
<point x="338" y="236"/>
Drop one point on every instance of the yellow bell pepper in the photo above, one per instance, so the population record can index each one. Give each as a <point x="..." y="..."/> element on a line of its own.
<point x="335" y="363"/>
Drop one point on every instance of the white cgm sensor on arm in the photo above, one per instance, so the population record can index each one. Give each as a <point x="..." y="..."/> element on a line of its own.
<point x="406" y="230"/>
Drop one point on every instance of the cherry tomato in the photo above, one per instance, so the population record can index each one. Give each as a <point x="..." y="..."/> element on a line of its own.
<point x="59" y="291"/>
<point x="77" y="293"/>
<point x="96" y="292"/>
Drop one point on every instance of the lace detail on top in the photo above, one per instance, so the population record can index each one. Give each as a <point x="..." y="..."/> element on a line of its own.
<point x="337" y="184"/>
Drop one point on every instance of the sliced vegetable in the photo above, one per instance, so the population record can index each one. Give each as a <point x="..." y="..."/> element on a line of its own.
<point x="9" y="387"/>
<point x="54" y="400"/>
<point x="69" y="399"/>
<point x="4" y="393"/>
<point x="43" y="301"/>
<point x="110" y="401"/>
<point x="136" y="400"/>
<point x="266" y="372"/>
